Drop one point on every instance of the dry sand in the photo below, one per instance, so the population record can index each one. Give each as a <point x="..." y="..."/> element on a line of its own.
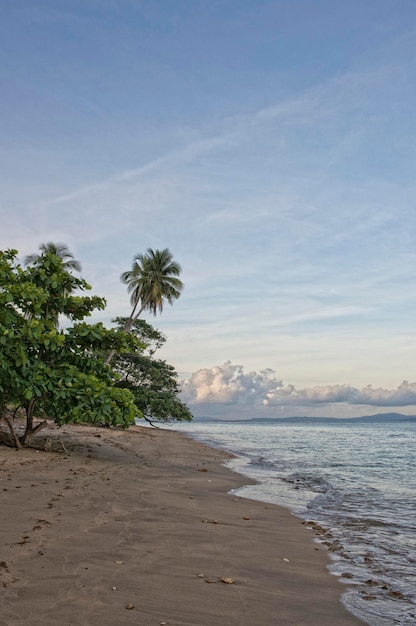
<point x="137" y="527"/>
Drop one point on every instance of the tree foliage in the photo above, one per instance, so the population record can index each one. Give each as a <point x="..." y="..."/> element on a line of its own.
<point x="56" y="373"/>
<point x="153" y="382"/>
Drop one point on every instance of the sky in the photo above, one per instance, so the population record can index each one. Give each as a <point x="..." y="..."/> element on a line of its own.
<point x="269" y="144"/>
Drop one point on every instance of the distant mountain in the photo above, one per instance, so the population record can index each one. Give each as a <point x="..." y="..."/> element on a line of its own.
<point x="365" y="419"/>
<point x="205" y="418"/>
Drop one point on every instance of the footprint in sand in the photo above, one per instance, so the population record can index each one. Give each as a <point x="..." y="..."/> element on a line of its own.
<point x="6" y="578"/>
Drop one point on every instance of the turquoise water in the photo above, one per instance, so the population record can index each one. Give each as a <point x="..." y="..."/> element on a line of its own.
<point x="357" y="482"/>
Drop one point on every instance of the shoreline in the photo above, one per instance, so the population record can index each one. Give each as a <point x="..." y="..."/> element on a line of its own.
<point x="138" y="527"/>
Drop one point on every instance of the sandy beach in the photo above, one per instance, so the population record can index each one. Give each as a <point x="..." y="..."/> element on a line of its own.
<point x="111" y="528"/>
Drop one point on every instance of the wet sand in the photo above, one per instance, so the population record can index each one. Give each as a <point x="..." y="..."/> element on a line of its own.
<point x="111" y="528"/>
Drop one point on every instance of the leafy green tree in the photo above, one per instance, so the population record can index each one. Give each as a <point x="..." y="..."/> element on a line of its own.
<point x="150" y="337"/>
<point x="53" y="373"/>
<point x="153" y="382"/>
<point x="152" y="281"/>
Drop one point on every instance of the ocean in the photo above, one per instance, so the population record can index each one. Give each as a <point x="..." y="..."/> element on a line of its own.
<point x="355" y="486"/>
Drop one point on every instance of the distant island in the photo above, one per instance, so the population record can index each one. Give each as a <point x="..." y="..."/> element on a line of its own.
<point x="365" y="419"/>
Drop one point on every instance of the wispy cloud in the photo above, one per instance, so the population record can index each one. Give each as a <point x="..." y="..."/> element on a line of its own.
<point x="172" y="159"/>
<point x="330" y="100"/>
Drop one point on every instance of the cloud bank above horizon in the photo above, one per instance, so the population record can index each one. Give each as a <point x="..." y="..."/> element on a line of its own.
<point x="228" y="391"/>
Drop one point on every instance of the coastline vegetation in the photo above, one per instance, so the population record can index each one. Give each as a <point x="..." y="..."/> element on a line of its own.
<point x="82" y="373"/>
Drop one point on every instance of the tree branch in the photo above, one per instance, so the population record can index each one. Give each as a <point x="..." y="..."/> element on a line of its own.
<point x="13" y="434"/>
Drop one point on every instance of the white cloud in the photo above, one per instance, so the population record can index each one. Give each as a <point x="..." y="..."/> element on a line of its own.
<point x="404" y="395"/>
<point x="228" y="384"/>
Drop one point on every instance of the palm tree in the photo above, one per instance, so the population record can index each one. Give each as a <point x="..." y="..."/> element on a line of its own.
<point x="152" y="281"/>
<point x="67" y="264"/>
<point x="60" y="250"/>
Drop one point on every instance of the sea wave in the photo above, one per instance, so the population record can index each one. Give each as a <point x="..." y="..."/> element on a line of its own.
<point x="355" y="488"/>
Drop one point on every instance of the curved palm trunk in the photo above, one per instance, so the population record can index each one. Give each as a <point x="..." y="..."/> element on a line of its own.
<point x="129" y="325"/>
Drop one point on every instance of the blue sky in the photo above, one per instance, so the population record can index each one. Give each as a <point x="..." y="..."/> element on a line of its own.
<point x="270" y="145"/>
